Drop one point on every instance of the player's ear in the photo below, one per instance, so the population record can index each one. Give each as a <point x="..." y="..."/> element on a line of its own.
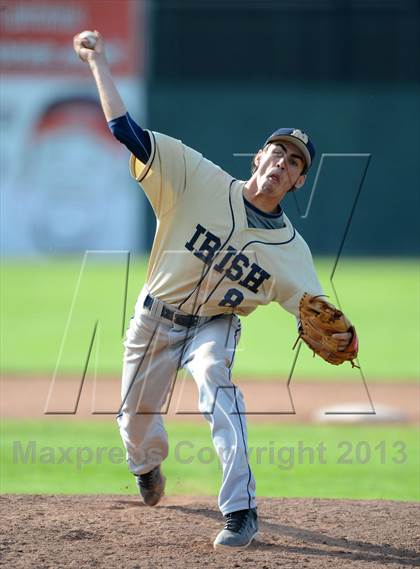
<point x="257" y="159"/>
<point x="300" y="181"/>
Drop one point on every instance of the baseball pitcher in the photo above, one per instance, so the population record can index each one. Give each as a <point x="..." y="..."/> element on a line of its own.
<point x="222" y="247"/>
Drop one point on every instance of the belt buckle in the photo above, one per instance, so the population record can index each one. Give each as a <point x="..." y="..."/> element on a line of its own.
<point x="179" y="319"/>
<point x="185" y="319"/>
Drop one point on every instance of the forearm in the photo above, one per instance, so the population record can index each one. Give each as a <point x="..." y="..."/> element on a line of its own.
<point x="111" y="101"/>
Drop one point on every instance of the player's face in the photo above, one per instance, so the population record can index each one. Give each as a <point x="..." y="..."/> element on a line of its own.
<point x="279" y="169"/>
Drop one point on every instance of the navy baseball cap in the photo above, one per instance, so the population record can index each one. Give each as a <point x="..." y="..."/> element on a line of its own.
<point x="298" y="138"/>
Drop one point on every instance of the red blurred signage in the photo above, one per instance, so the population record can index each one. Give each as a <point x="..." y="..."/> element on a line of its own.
<point x="36" y="35"/>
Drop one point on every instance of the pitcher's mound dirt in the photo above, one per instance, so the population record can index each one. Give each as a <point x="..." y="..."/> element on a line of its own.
<point x="116" y="531"/>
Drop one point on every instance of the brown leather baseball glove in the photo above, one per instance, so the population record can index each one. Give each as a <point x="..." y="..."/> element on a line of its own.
<point x="319" y="321"/>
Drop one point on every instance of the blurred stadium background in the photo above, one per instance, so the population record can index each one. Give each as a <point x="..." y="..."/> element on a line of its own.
<point x="221" y="76"/>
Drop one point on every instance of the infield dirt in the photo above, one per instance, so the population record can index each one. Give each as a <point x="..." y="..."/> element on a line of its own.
<point x="118" y="531"/>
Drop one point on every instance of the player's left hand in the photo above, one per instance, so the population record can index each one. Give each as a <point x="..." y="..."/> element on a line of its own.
<point x="327" y="331"/>
<point x="344" y="339"/>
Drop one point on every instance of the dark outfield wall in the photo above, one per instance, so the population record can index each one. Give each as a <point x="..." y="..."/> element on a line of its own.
<point x="223" y="79"/>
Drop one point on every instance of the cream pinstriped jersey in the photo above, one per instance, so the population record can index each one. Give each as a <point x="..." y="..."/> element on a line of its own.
<point x="205" y="259"/>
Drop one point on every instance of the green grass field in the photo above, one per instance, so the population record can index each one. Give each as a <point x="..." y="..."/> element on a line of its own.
<point x="380" y="295"/>
<point x="314" y="461"/>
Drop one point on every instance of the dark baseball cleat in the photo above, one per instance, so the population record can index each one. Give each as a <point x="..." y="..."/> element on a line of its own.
<point x="240" y="529"/>
<point x="151" y="486"/>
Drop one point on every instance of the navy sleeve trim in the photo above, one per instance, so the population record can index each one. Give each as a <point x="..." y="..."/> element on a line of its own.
<point x="129" y="133"/>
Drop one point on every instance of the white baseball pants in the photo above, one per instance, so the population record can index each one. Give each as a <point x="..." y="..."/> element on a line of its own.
<point x="155" y="348"/>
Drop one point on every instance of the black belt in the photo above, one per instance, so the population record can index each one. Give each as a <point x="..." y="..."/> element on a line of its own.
<point x="181" y="319"/>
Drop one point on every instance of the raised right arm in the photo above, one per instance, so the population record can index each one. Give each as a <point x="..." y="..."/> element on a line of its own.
<point x="122" y="126"/>
<point x="163" y="166"/>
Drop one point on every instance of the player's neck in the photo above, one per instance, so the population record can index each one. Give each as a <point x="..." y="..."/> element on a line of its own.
<point x="264" y="203"/>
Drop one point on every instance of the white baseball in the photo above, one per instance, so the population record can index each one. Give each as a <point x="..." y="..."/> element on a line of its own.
<point x="88" y="39"/>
